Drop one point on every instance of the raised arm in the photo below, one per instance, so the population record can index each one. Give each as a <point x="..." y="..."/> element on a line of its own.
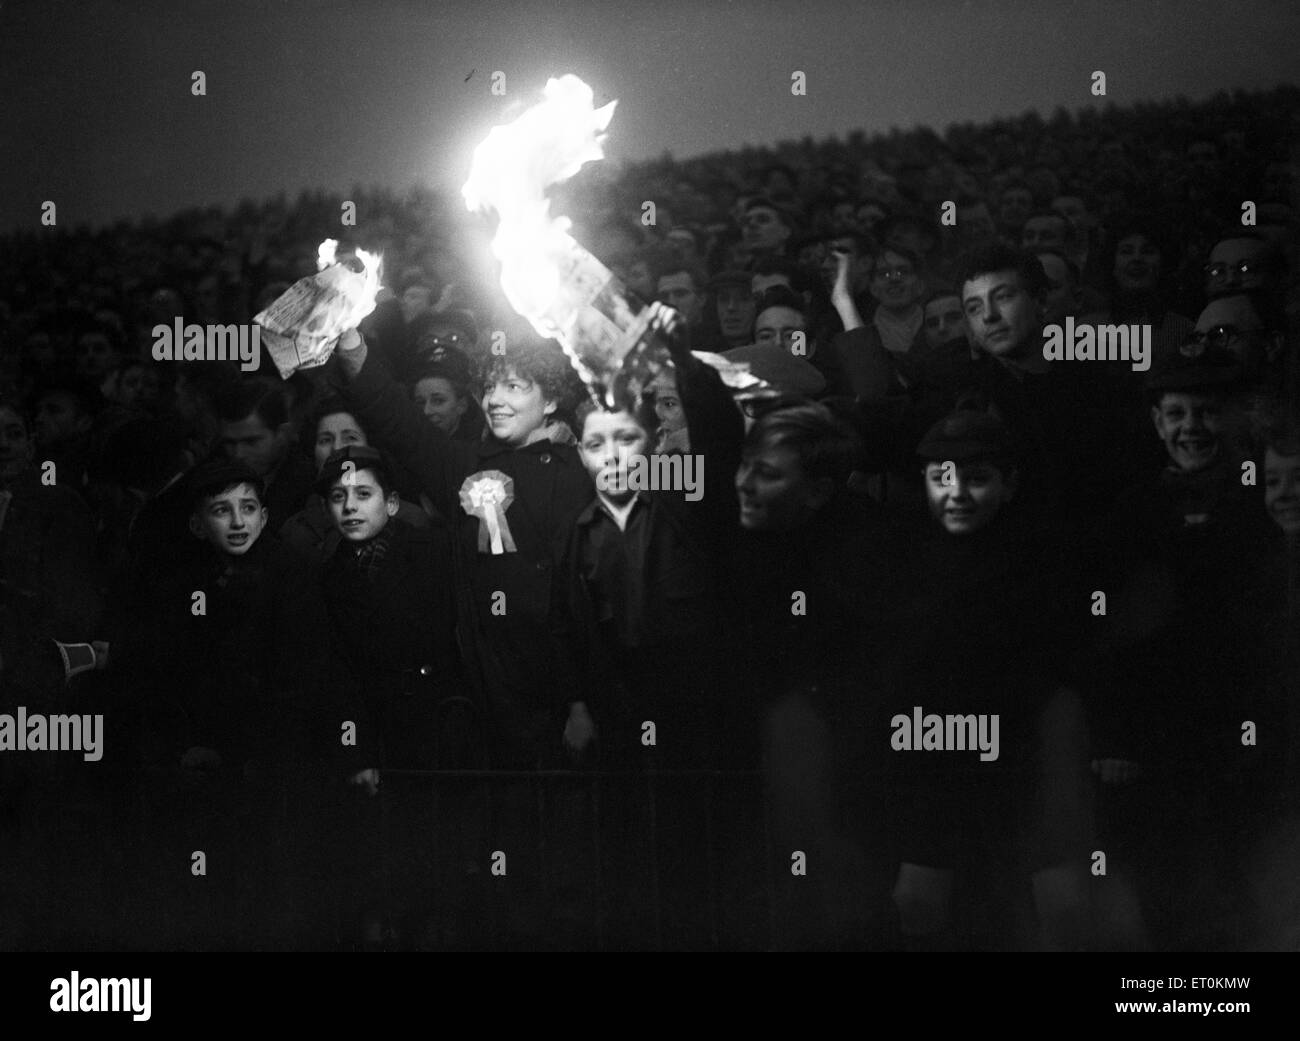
<point x="396" y="425"/>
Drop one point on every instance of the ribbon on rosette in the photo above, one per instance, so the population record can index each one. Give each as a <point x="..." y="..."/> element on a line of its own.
<point x="487" y="495"/>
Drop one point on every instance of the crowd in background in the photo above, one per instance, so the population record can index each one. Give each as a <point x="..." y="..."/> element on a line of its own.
<point x="921" y="512"/>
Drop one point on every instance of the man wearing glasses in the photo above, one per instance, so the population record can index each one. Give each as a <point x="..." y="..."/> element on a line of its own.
<point x="1234" y="325"/>
<point x="1240" y="263"/>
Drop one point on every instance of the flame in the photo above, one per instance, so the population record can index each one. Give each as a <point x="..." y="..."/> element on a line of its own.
<point x="358" y="289"/>
<point x="510" y="173"/>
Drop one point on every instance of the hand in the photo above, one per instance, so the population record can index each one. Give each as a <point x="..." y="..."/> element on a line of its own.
<point x="580" y="730"/>
<point x="671" y="327"/>
<point x="368" y="779"/>
<point x="101" y="653"/>
<point x="199" y="758"/>
<point x="1116" y="771"/>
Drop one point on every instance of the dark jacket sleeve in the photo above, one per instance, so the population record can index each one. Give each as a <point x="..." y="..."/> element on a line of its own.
<point x="571" y="625"/>
<point x="396" y="425"/>
<point x="716" y="432"/>
<point x="865" y="362"/>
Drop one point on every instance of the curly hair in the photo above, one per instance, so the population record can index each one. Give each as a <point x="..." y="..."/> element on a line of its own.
<point x="541" y="362"/>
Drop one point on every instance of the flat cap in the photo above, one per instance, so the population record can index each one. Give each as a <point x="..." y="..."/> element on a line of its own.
<point x="966" y="434"/>
<point x="362" y="457"/>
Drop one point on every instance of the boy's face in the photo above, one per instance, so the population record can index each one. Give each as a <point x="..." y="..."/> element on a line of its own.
<point x="333" y="433"/>
<point x="970" y="497"/>
<point x="359" y="506"/>
<point x="775" y="493"/>
<point x="1191" y="426"/>
<point x="944" y="320"/>
<point x="609" y="441"/>
<point x="230" y="521"/>
<point x="668" y="406"/>
<point x="515" y="407"/>
<point x="1282" y="490"/>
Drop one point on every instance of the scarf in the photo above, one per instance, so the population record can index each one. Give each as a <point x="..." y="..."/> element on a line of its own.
<point x="367" y="558"/>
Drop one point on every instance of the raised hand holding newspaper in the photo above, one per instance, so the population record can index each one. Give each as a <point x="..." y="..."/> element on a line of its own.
<point x="301" y="327"/>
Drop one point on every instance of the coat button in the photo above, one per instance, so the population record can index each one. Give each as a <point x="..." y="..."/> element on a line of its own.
<point x="425" y="670"/>
<point x="545" y="457"/>
<point x="543" y="565"/>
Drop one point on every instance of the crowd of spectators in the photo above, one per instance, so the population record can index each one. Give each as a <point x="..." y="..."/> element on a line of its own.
<point x="923" y="511"/>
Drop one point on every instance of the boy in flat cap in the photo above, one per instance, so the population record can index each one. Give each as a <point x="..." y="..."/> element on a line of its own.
<point x="388" y="593"/>
<point x="1176" y="678"/>
<point x="978" y="637"/>
<point x="215" y="659"/>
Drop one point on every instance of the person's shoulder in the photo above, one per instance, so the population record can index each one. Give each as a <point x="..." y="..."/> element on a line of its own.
<point x="47" y="497"/>
<point x="285" y="563"/>
<point x="408" y="534"/>
<point x="311" y="522"/>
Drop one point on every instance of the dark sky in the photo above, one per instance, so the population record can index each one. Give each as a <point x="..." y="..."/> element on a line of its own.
<point x="96" y="110"/>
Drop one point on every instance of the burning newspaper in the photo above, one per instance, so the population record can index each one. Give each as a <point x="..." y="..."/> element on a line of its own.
<point x="303" y="324"/>
<point x="564" y="292"/>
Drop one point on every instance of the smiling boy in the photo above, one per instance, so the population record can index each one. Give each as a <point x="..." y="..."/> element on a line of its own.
<point x="1020" y="817"/>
